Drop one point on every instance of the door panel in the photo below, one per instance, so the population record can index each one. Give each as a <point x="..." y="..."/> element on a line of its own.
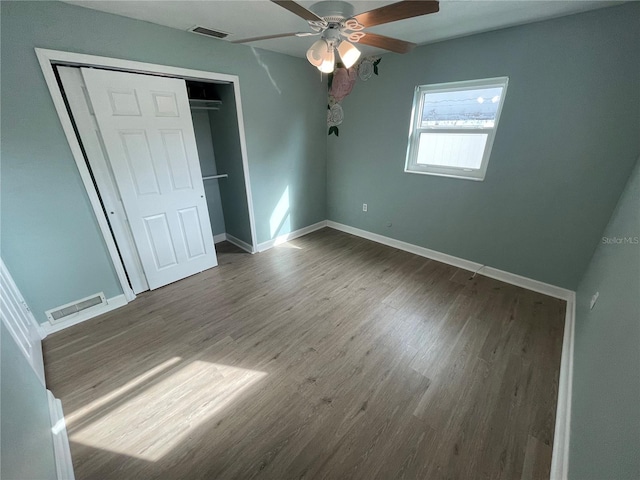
<point x="145" y="122"/>
<point x="136" y="150"/>
<point x="176" y="155"/>
<point x="165" y="104"/>
<point x="123" y="102"/>
<point x="190" y="226"/>
<point x="159" y="238"/>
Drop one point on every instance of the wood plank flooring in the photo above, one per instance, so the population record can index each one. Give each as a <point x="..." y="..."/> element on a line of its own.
<point x="329" y="357"/>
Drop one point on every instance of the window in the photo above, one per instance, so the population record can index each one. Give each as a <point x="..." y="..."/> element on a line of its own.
<point x="453" y="126"/>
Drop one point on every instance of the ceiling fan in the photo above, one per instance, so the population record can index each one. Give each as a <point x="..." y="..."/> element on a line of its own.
<point x="339" y="29"/>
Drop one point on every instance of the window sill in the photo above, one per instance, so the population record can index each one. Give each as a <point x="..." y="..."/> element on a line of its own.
<point x="449" y="175"/>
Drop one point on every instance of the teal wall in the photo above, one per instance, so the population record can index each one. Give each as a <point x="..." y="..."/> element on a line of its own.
<point x="226" y="144"/>
<point x="202" y="130"/>
<point x="50" y="239"/>
<point x="567" y="141"/>
<point x="605" y="423"/>
<point x="565" y="148"/>
<point x="26" y="444"/>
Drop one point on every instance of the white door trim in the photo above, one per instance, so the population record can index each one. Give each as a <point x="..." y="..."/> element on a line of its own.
<point x="562" y="432"/>
<point x="61" y="447"/>
<point x="19" y="320"/>
<point x="47" y="58"/>
<point x="76" y="151"/>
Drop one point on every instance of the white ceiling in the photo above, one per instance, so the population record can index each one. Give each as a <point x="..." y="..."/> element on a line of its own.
<point x="245" y="19"/>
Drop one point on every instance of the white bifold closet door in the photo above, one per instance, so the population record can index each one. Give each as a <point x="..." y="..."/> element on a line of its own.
<point x="146" y="126"/>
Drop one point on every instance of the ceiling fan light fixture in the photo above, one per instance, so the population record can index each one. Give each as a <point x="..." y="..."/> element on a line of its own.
<point x="334" y="19"/>
<point x="348" y="53"/>
<point x="316" y="52"/>
<point x="328" y="61"/>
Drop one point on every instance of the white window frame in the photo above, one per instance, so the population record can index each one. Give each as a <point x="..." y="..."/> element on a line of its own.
<point x="411" y="165"/>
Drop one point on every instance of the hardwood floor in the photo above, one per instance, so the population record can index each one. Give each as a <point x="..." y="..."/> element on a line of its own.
<point x="329" y="357"/>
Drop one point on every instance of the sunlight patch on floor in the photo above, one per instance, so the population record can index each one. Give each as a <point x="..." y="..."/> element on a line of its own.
<point x="286" y="244"/>
<point x="118" y="393"/>
<point x="152" y="423"/>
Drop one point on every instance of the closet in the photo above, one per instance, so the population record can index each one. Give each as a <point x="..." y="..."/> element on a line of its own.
<point x="218" y="140"/>
<point x="168" y="168"/>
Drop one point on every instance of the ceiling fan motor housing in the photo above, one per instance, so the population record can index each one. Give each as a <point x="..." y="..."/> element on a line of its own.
<point x="332" y="34"/>
<point x="338" y="21"/>
<point x="333" y="11"/>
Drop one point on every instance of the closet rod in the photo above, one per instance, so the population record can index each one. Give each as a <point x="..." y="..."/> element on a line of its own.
<point x="211" y="177"/>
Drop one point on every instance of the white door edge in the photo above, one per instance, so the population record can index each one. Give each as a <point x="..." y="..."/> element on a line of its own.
<point x="75" y="91"/>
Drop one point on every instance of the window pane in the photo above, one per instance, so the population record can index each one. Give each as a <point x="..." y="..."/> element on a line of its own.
<point x="463" y="108"/>
<point x="462" y="150"/>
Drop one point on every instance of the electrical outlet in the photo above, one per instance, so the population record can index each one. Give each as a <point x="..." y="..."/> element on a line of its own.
<point x="364" y="207"/>
<point x="594" y="299"/>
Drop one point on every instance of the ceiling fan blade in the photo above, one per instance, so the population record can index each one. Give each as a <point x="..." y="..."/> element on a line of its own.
<point x="299" y="10"/>
<point x="388" y="43"/>
<point x="397" y="11"/>
<point x="268" y="37"/>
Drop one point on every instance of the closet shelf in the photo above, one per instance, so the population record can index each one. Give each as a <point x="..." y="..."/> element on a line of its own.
<point x="196" y="104"/>
<point x="212" y="177"/>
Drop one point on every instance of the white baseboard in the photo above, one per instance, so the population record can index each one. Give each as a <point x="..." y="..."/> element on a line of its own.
<point x="42" y="332"/>
<point x="290" y="236"/>
<point x="225" y="237"/>
<point x="512" y="278"/>
<point x="221" y="237"/>
<point x="239" y="243"/>
<point x="560" y="455"/>
<point x="528" y="283"/>
<point x="61" y="449"/>
<point x="112" y="304"/>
